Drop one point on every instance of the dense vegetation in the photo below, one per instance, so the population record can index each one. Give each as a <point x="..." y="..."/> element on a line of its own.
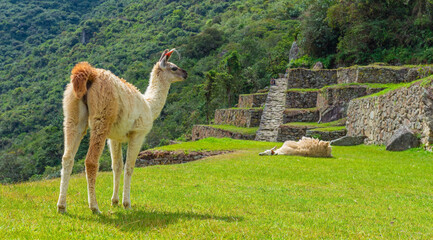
<point x="362" y="31"/>
<point x="228" y="48"/>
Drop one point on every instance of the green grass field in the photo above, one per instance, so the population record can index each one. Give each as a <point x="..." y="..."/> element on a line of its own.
<point x="364" y="192"/>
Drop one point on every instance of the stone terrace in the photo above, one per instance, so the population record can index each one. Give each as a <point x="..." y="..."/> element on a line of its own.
<point x="307" y="96"/>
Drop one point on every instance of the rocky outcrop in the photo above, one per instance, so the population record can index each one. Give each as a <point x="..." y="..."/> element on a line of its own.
<point x="402" y="139"/>
<point x="295" y="52"/>
<point x="318" y="66"/>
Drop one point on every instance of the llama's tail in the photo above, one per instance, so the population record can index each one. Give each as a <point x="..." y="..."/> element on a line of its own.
<point x="83" y="74"/>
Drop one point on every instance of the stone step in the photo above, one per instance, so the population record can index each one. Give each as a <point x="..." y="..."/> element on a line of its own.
<point x="205" y="131"/>
<point x="273" y="111"/>
<point x="252" y="100"/>
<point x="301" y="98"/>
<point x="327" y="134"/>
<point x="240" y="117"/>
<point x="300" y="115"/>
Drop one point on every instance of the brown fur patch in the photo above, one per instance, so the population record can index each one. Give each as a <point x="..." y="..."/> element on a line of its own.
<point x="129" y="85"/>
<point x="81" y="74"/>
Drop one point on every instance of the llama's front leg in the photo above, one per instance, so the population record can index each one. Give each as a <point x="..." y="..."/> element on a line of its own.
<point x="74" y="130"/>
<point x="117" y="166"/>
<point x="96" y="145"/>
<point x="135" y="142"/>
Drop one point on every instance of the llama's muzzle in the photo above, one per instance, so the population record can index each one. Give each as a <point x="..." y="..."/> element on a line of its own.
<point x="184" y="74"/>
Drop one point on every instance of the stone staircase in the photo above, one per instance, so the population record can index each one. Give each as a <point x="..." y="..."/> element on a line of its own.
<point x="299" y="100"/>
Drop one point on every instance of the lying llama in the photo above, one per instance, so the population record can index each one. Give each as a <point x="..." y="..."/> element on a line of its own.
<point x="116" y="110"/>
<point x="308" y="147"/>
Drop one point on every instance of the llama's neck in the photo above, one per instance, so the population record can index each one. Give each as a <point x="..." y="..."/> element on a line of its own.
<point x="156" y="94"/>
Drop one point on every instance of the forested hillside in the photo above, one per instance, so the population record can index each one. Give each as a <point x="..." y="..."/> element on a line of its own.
<point x="227" y="47"/>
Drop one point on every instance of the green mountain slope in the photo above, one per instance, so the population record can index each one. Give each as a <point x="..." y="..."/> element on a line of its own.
<point x="45" y="39"/>
<point x="228" y="47"/>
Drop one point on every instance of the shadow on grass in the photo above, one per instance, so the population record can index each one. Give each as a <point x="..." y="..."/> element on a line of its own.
<point x="140" y="220"/>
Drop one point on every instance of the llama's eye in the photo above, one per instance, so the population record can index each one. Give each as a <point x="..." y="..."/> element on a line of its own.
<point x="173" y="68"/>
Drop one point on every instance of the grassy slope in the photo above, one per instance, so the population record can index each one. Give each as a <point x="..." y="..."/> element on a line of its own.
<point x="363" y="192"/>
<point x="330" y="129"/>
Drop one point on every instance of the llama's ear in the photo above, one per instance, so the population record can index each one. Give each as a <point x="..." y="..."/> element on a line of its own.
<point x="274" y="148"/>
<point x="163" y="59"/>
<point x="163" y="55"/>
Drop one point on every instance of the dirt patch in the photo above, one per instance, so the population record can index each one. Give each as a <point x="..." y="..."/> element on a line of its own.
<point x="160" y="157"/>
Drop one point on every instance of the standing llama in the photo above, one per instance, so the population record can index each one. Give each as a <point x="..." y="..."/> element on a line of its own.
<point x="116" y="110"/>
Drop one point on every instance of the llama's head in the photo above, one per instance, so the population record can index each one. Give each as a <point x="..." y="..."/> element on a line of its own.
<point x="169" y="71"/>
<point x="269" y="152"/>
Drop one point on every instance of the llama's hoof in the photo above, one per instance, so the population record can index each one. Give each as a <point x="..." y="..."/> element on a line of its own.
<point x="61" y="209"/>
<point x="127" y="205"/>
<point x="114" y="203"/>
<point x="96" y="211"/>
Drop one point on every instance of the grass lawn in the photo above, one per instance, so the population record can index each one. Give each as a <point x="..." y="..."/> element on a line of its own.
<point x="364" y="192"/>
<point x="329" y="129"/>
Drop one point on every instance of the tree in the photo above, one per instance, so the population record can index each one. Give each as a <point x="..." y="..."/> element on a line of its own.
<point x="230" y="76"/>
<point x="209" y="92"/>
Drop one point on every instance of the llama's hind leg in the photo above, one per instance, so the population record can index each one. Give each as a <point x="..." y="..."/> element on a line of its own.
<point x="75" y="126"/>
<point x="134" y="146"/>
<point x="117" y="166"/>
<point x="98" y="135"/>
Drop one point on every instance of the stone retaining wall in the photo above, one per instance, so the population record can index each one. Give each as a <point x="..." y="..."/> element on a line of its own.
<point x="333" y="95"/>
<point x="300" y="115"/>
<point x="378" y="117"/>
<point x="332" y="102"/>
<point x="291" y="132"/>
<point x="203" y="131"/>
<point x="298" y="99"/>
<point x="382" y="74"/>
<point x="326" y="135"/>
<point x="241" y="117"/>
<point x="308" y="78"/>
<point x="372" y="74"/>
<point x="252" y="100"/>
